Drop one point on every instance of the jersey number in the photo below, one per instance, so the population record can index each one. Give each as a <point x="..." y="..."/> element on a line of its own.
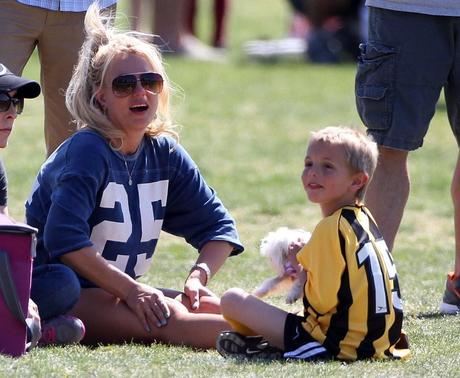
<point x="367" y="253"/>
<point x="121" y="231"/>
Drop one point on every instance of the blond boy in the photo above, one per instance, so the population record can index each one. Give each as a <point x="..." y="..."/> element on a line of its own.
<point x="352" y="305"/>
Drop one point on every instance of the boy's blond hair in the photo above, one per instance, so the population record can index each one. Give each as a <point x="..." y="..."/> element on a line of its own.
<point x="361" y="151"/>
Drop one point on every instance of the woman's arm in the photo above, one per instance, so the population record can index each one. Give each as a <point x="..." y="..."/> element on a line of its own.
<point x="212" y="257"/>
<point x="146" y="302"/>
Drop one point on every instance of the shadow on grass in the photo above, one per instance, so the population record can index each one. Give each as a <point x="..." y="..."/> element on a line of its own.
<point x="429" y="315"/>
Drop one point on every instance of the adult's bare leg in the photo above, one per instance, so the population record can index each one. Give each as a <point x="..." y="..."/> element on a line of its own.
<point x="220" y="22"/>
<point x="208" y="304"/>
<point x="109" y="320"/>
<point x="388" y="192"/>
<point x="455" y="193"/>
<point x="136" y="7"/>
<point x="169" y="23"/>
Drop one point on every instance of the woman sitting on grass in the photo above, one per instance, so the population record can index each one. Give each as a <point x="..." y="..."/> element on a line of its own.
<point x="101" y="200"/>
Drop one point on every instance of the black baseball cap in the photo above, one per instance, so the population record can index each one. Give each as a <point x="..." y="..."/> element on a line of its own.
<point x="25" y="88"/>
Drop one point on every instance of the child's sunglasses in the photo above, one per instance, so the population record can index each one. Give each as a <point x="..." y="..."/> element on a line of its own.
<point x="6" y="100"/>
<point x="124" y="85"/>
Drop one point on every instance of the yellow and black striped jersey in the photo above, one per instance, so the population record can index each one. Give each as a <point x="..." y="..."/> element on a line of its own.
<point x="351" y="298"/>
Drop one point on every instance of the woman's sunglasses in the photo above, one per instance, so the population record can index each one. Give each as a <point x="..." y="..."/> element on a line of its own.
<point x="6" y="100"/>
<point x="124" y="85"/>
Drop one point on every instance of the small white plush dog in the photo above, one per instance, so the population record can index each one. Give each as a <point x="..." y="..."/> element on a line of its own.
<point x="276" y="246"/>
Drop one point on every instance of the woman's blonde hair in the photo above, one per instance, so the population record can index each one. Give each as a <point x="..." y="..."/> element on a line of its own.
<point x="103" y="43"/>
<point x="361" y="151"/>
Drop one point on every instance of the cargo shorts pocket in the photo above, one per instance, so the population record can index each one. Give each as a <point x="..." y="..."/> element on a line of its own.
<point x="374" y="86"/>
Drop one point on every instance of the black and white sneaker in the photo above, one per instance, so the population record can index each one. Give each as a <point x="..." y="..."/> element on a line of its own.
<point x="233" y="344"/>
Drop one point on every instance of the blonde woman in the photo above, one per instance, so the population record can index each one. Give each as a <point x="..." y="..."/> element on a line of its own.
<point x="101" y="200"/>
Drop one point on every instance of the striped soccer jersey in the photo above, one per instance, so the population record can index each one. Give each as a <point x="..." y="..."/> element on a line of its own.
<point x="351" y="301"/>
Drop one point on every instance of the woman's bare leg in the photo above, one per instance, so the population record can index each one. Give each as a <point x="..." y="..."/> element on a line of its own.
<point x="208" y="304"/>
<point x="108" y="320"/>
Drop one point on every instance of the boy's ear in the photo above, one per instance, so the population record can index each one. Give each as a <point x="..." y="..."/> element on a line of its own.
<point x="359" y="180"/>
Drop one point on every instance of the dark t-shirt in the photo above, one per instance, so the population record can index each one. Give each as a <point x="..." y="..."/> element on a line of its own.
<point x="3" y="185"/>
<point x="119" y="203"/>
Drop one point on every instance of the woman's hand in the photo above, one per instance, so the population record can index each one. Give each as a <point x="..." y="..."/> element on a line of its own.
<point x="213" y="254"/>
<point x="194" y="290"/>
<point x="149" y="305"/>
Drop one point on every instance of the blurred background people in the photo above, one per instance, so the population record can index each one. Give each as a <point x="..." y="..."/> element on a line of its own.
<point x="219" y="19"/>
<point x="174" y="21"/>
<point x="321" y="31"/>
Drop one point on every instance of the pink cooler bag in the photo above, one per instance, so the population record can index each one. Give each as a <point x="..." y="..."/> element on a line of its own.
<point x="17" y="248"/>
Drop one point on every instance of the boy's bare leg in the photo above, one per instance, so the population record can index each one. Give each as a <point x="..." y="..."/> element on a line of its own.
<point x="263" y="318"/>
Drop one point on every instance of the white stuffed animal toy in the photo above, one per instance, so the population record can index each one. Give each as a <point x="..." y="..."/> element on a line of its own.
<point x="276" y="246"/>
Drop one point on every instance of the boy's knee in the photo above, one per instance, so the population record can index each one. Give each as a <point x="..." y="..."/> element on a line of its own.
<point x="231" y="299"/>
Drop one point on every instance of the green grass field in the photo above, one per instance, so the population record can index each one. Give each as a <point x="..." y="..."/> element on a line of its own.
<point x="247" y="124"/>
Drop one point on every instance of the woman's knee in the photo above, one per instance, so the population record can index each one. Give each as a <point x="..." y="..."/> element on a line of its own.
<point x="208" y="304"/>
<point x="176" y="307"/>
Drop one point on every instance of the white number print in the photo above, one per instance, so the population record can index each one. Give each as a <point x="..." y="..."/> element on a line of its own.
<point x="367" y="252"/>
<point x="109" y="230"/>
<point x="149" y="193"/>
<point x="121" y="231"/>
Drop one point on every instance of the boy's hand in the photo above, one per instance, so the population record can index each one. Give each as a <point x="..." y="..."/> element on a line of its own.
<point x="294" y="248"/>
